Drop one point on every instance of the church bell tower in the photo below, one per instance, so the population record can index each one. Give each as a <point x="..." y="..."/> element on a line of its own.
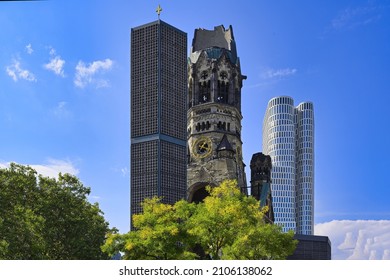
<point x="214" y="112"/>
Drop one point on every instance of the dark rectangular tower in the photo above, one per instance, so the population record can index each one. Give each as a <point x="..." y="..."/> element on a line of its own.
<point x="158" y="113"/>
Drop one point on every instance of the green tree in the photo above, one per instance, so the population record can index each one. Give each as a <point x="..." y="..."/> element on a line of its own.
<point x="3" y="244"/>
<point x="46" y="218"/>
<point x="266" y="242"/>
<point x="227" y="225"/>
<point x="160" y="233"/>
<point x="230" y="225"/>
<point x="74" y="225"/>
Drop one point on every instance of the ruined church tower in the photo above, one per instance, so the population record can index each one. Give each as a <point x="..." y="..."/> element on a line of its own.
<point x="214" y="145"/>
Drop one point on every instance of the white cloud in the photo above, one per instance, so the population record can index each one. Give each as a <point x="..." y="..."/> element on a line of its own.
<point x="358" y="16"/>
<point x="52" y="51"/>
<point x="56" y="65"/>
<point x="51" y="168"/>
<point x="61" y="111"/>
<point x="95" y="198"/>
<point x="86" y="74"/>
<point x="55" y="166"/>
<point x="357" y="240"/>
<point x="16" y="72"/>
<point x="278" y="73"/>
<point x="29" y="49"/>
<point x="124" y="171"/>
<point x="271" y="76"/>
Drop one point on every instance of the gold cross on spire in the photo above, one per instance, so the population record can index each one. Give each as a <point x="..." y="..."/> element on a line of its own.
<point x="159" y="10"/>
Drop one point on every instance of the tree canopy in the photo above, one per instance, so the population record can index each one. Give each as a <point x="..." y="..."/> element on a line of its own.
<point x="47" y="218"/>
<point x="226" y="225"/>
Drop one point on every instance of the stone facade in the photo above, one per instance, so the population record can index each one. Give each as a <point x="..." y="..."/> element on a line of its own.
<point x="214" y="112"/>
<point x="261" y="167"/>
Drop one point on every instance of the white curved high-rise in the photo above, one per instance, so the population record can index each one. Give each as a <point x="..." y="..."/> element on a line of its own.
<point x="288" y="137"/>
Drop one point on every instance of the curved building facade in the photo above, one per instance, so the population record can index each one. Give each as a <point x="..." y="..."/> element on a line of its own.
<point x="288" y="137"/>
<point x="304" y="121"/>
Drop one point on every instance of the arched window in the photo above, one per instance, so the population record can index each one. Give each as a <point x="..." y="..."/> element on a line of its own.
<point x="222" y="88"/>
<point x="204" y="91"/>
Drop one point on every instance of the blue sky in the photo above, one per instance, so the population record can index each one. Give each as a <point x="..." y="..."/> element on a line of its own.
<point x="65" y="104"/>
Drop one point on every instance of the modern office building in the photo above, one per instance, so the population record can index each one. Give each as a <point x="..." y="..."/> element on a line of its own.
<point x="312" y="247"/>
<point x="214" y="112"/>
<point x="158" y="113"/>
<point x="288" y="137"/>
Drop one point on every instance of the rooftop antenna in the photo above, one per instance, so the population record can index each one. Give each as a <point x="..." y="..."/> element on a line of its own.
<point x="158" y="11"/>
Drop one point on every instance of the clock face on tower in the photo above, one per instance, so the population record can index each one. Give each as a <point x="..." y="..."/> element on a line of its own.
<point x="202" y="147"/>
